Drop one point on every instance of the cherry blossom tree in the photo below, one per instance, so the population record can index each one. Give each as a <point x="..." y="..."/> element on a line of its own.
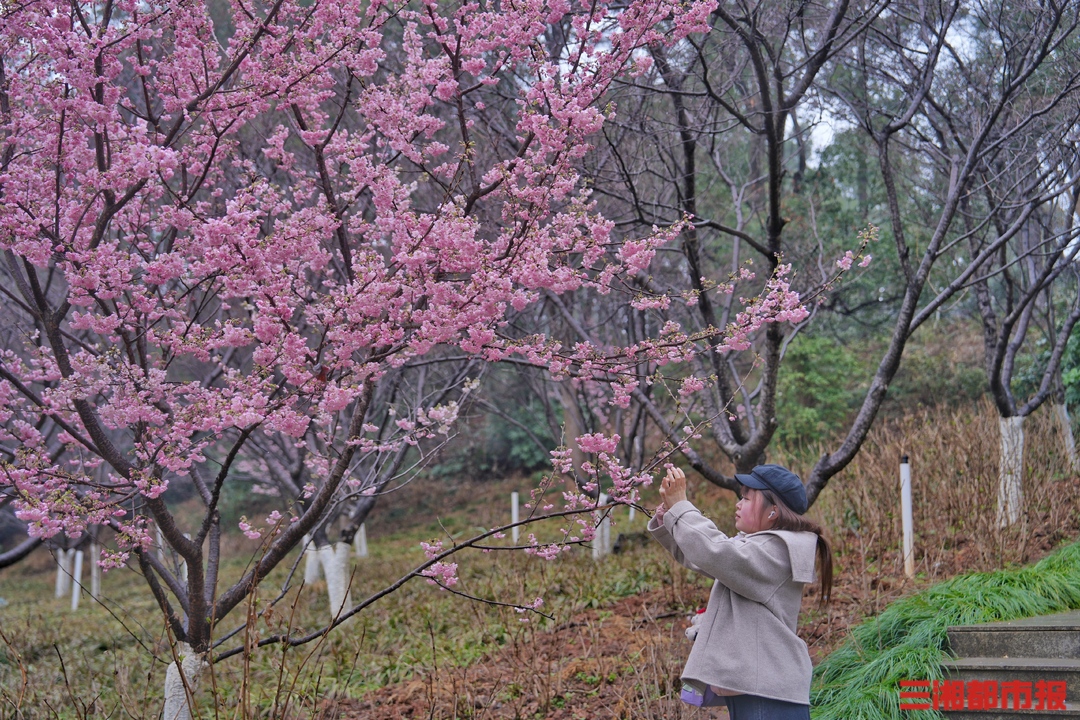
<point x="947" y="102"/>
<point x="278" y="466"/>
<point x="223" y="233"/>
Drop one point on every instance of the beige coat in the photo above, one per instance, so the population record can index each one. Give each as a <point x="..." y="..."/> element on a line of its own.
<point x="746" y="642"/>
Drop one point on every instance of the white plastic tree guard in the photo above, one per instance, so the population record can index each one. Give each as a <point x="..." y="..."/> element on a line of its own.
<point x="76" y="581"/>
<point x="311" y="560"/>
<point x="605" y="525"/>
<point x="1010" y="487"/>
<point x="59" y="556"/>
<point x="64" y="559"/>
<point x="178" y="700"/>
<point x="360" y="541"/>
<point x="602" y="540"/>
<point x="1062" y="414"/>
<point x="95" y="571"/>
<point x="335" y="564"/>
<point x="906" y="515"/>
<point x="514" y="517"/>
<point x="183" y="565"/>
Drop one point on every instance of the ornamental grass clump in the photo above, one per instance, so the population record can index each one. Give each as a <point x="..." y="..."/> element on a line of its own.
<point x="861" y="680"/>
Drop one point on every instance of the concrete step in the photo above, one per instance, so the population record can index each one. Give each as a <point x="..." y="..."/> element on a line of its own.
<point x="1049" y="636"/>
<point x="1020" y="669"/>
<point x="1072" y="710"/>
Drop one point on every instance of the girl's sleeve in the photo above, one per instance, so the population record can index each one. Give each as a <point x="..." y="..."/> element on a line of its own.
<point x="659" y="531"/>
<point x="753" y="568"/>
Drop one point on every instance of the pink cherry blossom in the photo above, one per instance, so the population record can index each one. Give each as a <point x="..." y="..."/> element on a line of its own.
<point x="440" y="573"/>
<point x="242" y="240"/>
<point x="691" y="385"/>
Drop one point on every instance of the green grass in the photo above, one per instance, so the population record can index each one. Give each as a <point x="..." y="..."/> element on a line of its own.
<point x="87" y="664"/>
<point x="860" y="681"/>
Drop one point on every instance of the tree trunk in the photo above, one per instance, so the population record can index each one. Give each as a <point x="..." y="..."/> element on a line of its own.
<point x="335" y="564"/>
<point x="573" y="425"/>
<point x="1010" y="489"/>
<point x="20" y="551"/>
<point x="180" y="681"/>
<point x="1062" y="414"/>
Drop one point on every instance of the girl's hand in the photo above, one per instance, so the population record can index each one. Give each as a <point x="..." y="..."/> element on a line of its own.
<point x="673" y="487"/>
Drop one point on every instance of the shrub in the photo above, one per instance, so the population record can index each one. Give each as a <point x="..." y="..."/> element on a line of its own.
<point x="860" y="681"/>
<point x="816" y="392"/>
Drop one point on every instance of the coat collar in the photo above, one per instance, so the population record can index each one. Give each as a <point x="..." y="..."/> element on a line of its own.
<point x="802" y="547"/>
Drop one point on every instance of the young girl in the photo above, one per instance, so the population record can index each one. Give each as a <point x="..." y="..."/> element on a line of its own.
<point x="747" y="654"/>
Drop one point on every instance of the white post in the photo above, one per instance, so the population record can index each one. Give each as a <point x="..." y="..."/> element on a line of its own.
<point x="1062" y="413"/>
<point x="95" y="571"/>
<point x="76" y="581"/>
<point x="160" y="544"/>
<point x="1010" y="488"/>
<point x="906" y="515"/>
<point x="361" y="541"/>
<point x="633" y="512"/>
<point x="514" y="516"/>
<point x="311" y="557"/>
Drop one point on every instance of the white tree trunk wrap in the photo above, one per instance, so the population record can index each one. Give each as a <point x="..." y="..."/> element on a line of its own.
<point x="311" y="558"/>
<point x="601" y="544"/>
<point x="64" y="559"/>
<point x="1010" y="488"/>
<point x="1062" y="413"/>
<point x="95" y="571"/>
<point x="183" y="565"/>
<point x="59" y="592"/>
<point x="360" y="541"/>
<point x="335" y="564"/>
<point x="178" y="702"/>
<point x="76" y="581"/>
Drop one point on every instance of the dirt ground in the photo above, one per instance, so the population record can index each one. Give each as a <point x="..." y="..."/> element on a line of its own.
<point x="618" y="662"/>
<point x="622" y="661"/>
<point x="600" y="665"/>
